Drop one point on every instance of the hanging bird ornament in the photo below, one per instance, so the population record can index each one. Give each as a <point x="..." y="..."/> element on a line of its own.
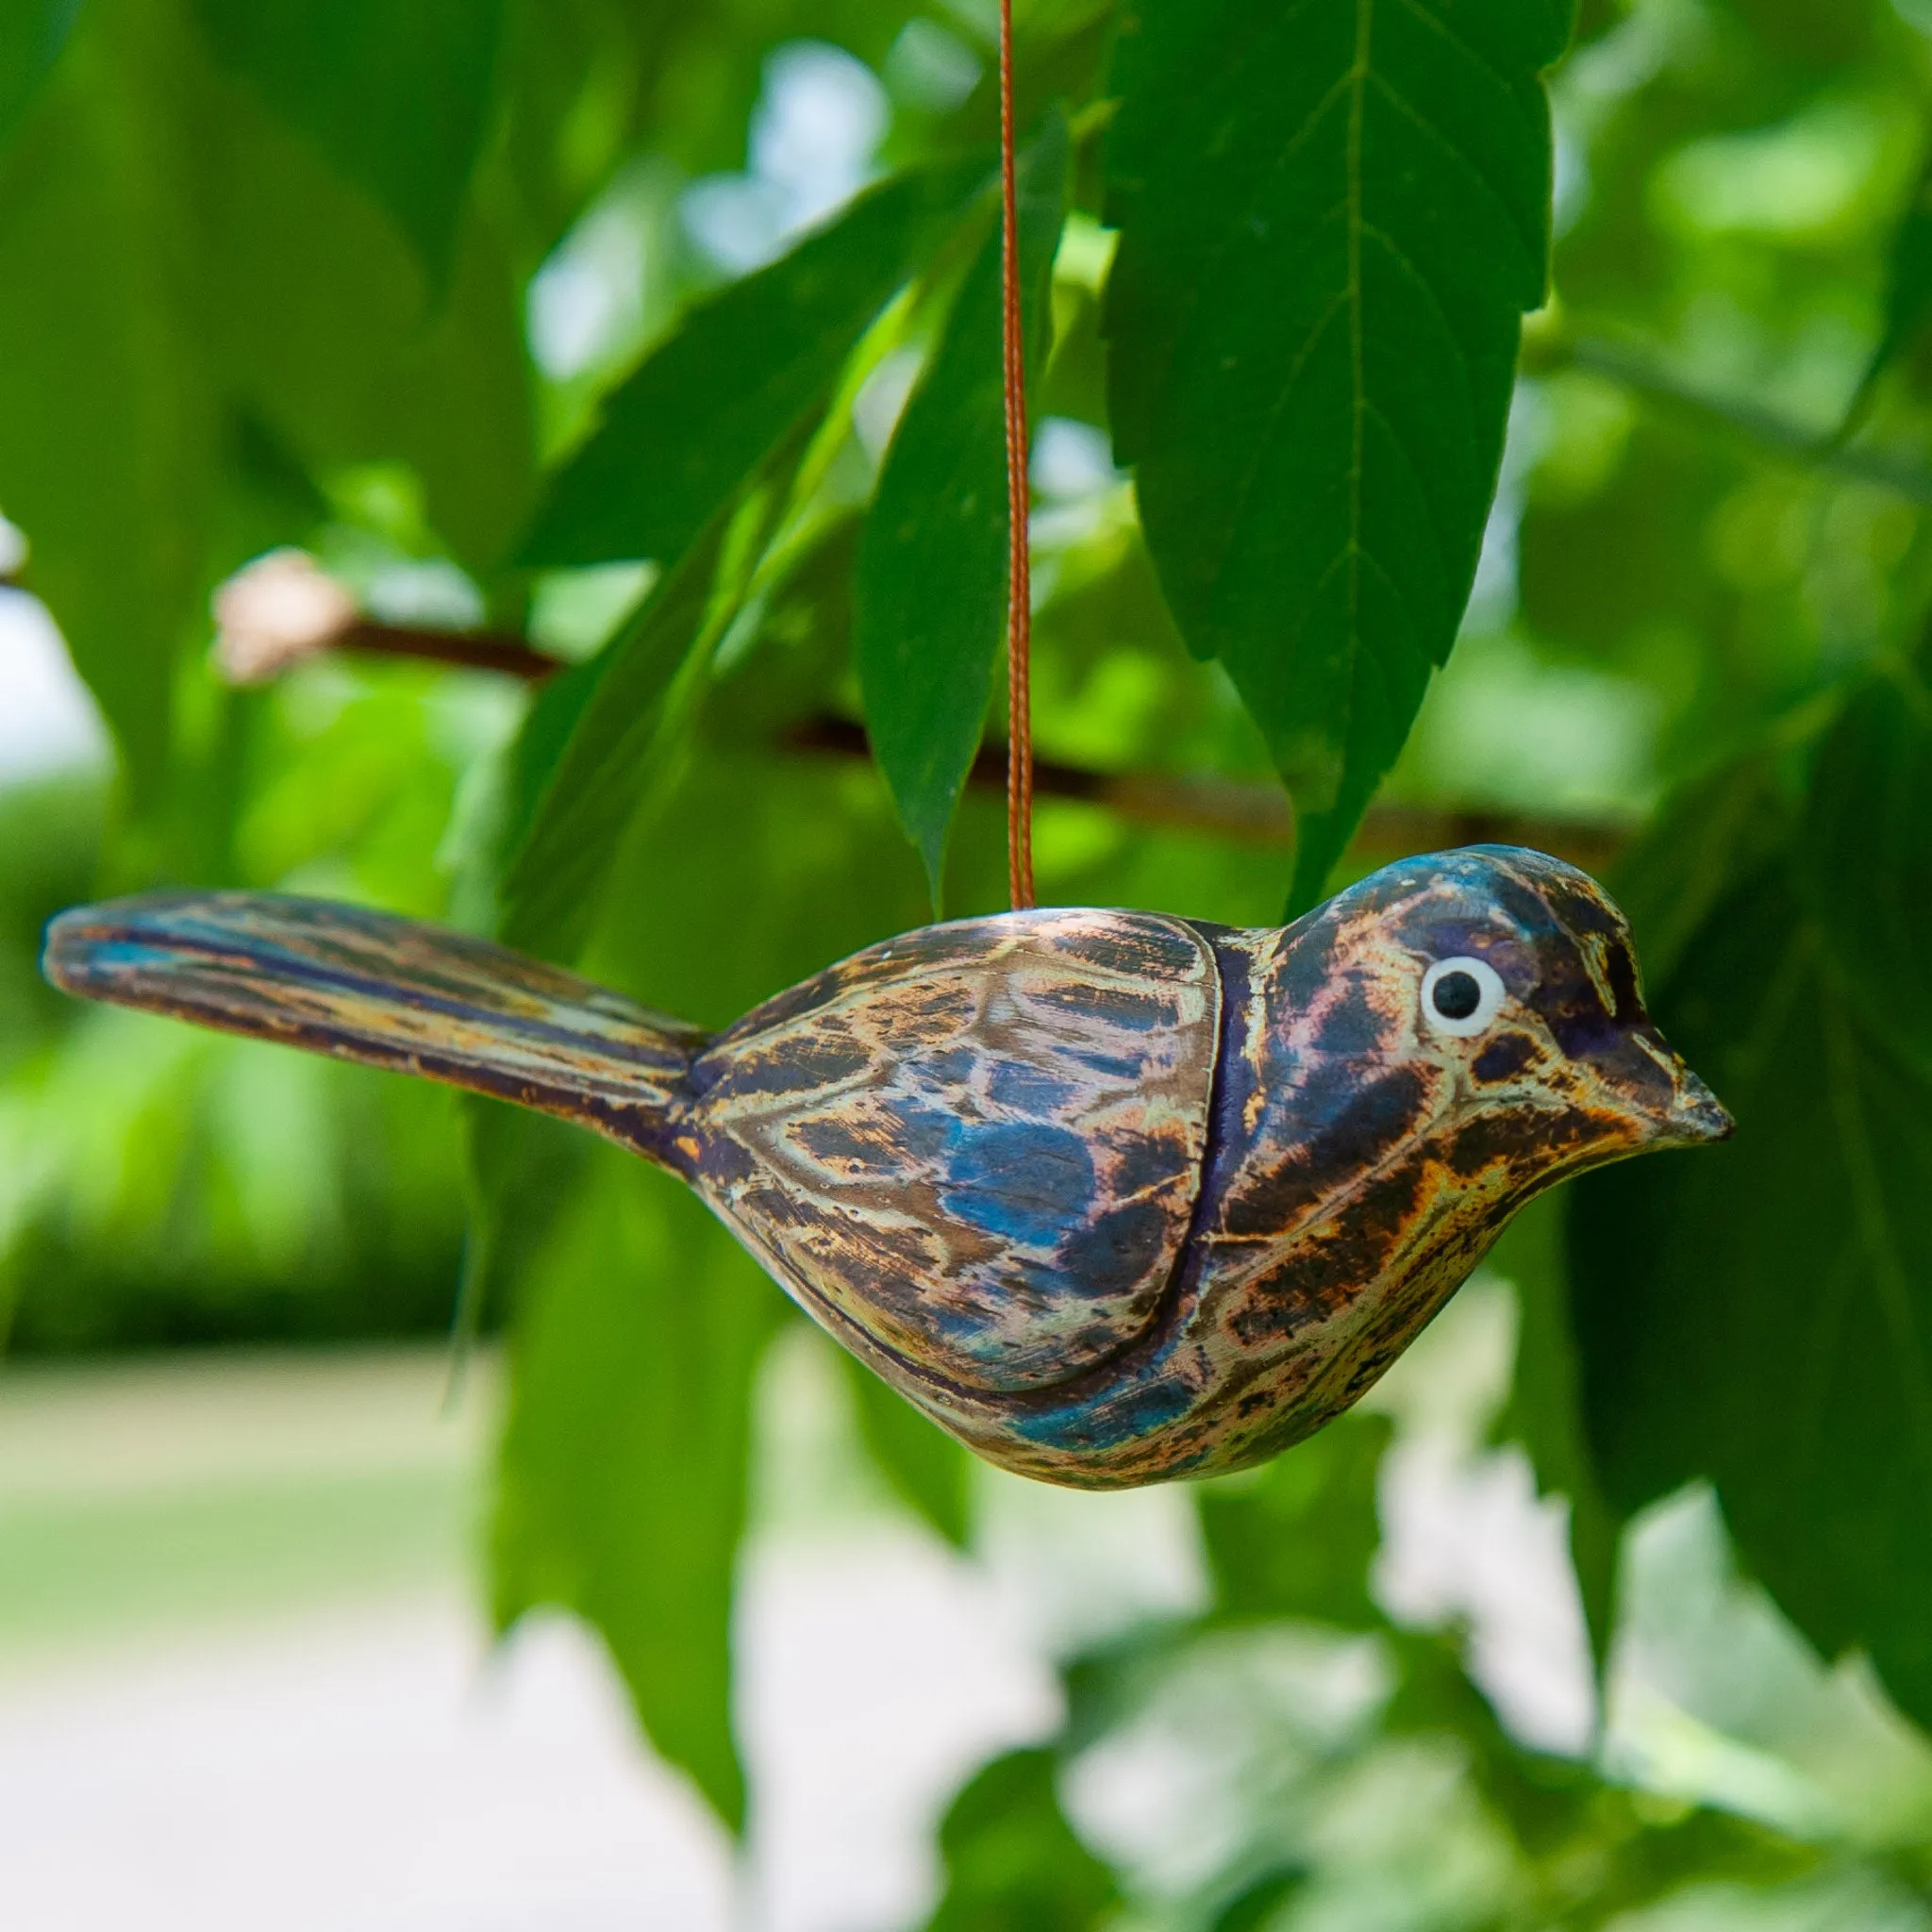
<point x="1113" y="1197"/>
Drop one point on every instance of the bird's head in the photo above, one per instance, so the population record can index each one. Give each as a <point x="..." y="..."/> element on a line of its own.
<point x="1506" y="980"/>
<point x="1418" y="1059"/>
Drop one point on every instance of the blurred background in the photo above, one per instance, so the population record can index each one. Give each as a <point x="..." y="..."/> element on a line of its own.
<point x="636" y="1607"/>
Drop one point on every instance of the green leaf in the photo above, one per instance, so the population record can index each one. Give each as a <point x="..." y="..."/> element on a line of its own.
<point x="1761" y="1314"/>
<point x="760" y="869"/>
<point x="523" y="1169"/>
<point x="50" y="829"/>
<point x="610" y="737"/>
<point x="396" y="97"/>
<point x="1646" y="1855"/>
<point x="1908" y="294"/>
<point x="1606" y="568"/>
<point x="609" y="718"/>
<point x="1907" y="298"/>
<point x="32" y="33"/>
<point x="1566" y="1821"/>
<point x="320" y="319"/>
<point x="1720" y="829"/>
<point x="1544" y="1411"/>
<point x="639" y="1319"/>
<point x="1012" y="1861"/>
<point x="680" y="436"/>
<point x="1296" y="1538"/>
<point x="1865" y="857"/>
<point x="1261" y="1901"/>
<point x="108" y="427"/>
<point x="925" y="1467"/>
<point x="622" y="1486"/>
<point x="528" y="763"/>
<point x="1333" y="215"/>
<point x="929" y="604"/>
<point x="1540" y="1796"/>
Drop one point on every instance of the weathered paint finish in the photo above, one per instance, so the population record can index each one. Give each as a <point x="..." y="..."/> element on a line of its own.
<point x="978" y="1146"/>
<point x="1113" y="1197"/>
<point x="389" y="992"/>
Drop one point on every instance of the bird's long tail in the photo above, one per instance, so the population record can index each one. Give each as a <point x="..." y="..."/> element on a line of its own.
<point x="392" y="992"/>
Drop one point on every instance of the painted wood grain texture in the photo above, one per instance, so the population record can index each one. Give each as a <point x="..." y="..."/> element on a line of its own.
<point x="1114" y="1197"/>
<point x="978" y="1146"/>
<point x="390" y="992"/>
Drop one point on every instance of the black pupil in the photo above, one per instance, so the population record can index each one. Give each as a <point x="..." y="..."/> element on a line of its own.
<point x="1457" y="995"/>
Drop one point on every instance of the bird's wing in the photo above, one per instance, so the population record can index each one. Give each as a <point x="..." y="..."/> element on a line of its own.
<point x="975" y="1150"/>
<point x="392" y="992"/>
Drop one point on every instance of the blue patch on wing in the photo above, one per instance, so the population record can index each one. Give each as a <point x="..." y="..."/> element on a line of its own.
<point x="926" y="1136"/>
<point x="1026" y="1183"/>
<point x="999" y="1189"/>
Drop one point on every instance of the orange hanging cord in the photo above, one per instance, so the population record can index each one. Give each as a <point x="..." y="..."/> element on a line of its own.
<point x="1018" y="568"/>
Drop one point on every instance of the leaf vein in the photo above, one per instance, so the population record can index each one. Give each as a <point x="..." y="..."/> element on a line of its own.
<point x="1457" y="38"/>
<point x="1442" y="139"/>
<point x="1399" y="443"/>
<point x="1409" y="267"/>
<point x="1264" y="439"/>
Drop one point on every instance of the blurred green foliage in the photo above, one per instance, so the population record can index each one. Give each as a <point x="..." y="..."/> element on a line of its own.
<point x="933" y="559"/>
<point x="1330" y="227"/>
<point x="592" y="324"/>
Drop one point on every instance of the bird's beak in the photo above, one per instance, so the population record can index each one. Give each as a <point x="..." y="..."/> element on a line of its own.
<point x="1664" y="1100"/>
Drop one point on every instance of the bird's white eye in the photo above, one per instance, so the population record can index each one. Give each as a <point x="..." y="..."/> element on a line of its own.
<point x="1461" y="996"/>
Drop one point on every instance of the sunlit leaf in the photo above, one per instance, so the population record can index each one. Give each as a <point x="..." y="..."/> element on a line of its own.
<point x="108" y="426"/>
<point x="680" y="436"/>
<point x="1012" y="1862"/>
<point x="1333" y="215"/>
<point x="396" y="96"/>
<point x="1758" y="1313"/>
<point x="524" y="1170"/>
<point x="622" y="1487"/>
<point x="929" y="605"/>
<point x="32" y="33"/>
<point x="1579" y="1836"/>
<point x="603" y="724"/>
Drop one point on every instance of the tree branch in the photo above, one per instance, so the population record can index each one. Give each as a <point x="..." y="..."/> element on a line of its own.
<point x="1249" y="813"/>
<point x="287" y="617"/>
<point x="470" y="650"/>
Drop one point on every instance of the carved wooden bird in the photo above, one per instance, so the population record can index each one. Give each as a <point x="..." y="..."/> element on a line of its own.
<point x="1112" y="1197"/>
